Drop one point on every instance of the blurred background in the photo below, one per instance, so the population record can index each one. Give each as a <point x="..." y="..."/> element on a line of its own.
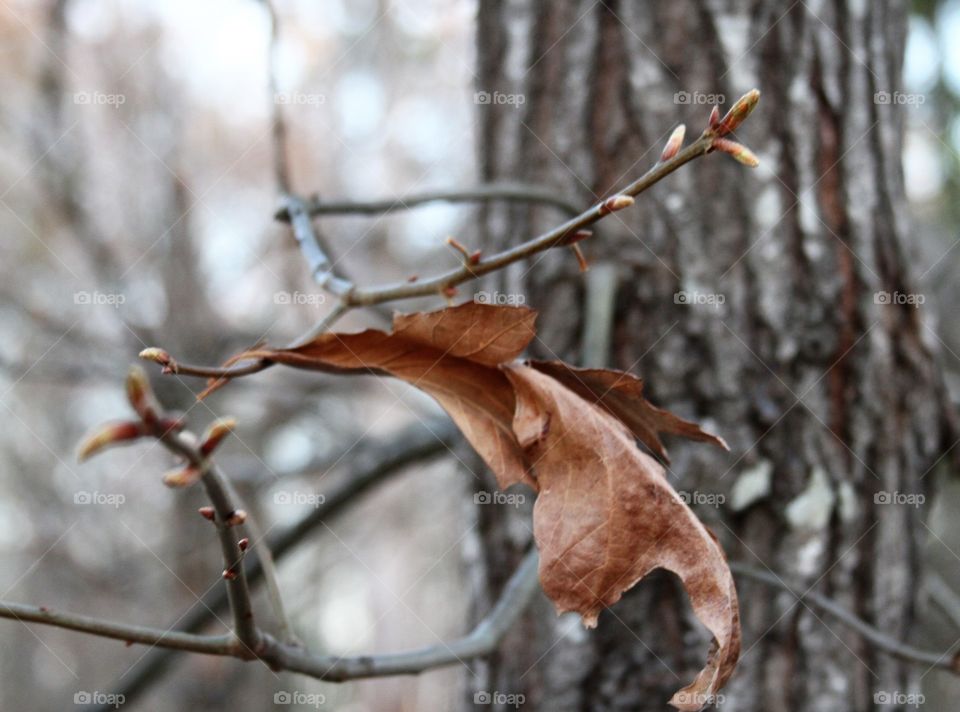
<point x="137" y="195"/>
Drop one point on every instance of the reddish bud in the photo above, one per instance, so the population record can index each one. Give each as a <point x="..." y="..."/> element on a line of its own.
<point x="475" y="257"/>
<point x="450" y="292"/>
<point x="740" y="152"/>
<point x="214" y="435"/>
<point x="237" y="517"/>
<point x="673" y="143"/>
<point x="157" y="356"/>
<point x="183" y="477"/>
<point x="615" y="203"/>
<point x="412" y="278"/>
<point x="108" y="435"/>
<point x="229" y="574"/>
<point x="244" y="544"/>
<point x="714" y="119"/>
<point x="738" y="112"/>
<point x="581" y="260"/>
<point x="140" y="395"/>
<point x="207" y="513"/>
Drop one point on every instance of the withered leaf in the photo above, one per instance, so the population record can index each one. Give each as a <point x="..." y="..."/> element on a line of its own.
<point x="621" y="394"/>
<point x="453" y="355"/>
<point x="606" y="514"/>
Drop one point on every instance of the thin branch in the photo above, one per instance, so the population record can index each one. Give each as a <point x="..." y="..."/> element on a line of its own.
<point x="226" y="510"/>
<point x="482" y="640"/>
<point x="321" y="269"/>
<point x="880" y="640"/>
<point x="129" y="633"/>
<point x="369" y="466"/>
<point x="351" y="296"/>
<point x="486" y="192"/>
<point x="552" y="238"/>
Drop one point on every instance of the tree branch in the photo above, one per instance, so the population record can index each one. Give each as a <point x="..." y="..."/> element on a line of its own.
<point x="129" y="633"/>
<point x="880" y="640"/>
<point x="485" y="192"/>
<point x="225" y="521"/>
<point x="369" y="467"/>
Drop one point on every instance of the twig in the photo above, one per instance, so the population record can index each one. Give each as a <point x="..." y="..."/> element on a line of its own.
<point x="351" y="296"/>
<point x="482" y="640"/>
<point x="270" y="577"/>
<point x="226" y="510"/>
<point x="880" y="640"/>
<point x="321" y="269"/>
<point x="486" y="192"/>
<point x="369" y="467"/>
<point x="130" y="633"/>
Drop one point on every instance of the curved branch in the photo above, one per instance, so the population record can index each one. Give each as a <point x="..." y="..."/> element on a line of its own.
<point x="880" y="640"/>
<point x="482" y="640"/>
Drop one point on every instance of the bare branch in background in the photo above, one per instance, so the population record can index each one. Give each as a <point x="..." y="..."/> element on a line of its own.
<point x="508" y="192"/>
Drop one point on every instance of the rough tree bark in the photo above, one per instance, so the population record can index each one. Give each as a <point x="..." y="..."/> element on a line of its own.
<point x="826" y="397"/>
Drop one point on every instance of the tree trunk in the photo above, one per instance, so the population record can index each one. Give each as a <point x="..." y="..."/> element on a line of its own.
<point x="746" y="300"/>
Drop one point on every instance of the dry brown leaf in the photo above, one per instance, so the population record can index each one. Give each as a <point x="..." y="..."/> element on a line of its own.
<point x="621" y="394"/>
<point x="452" y="354"/>
<point x="606" y="516"/>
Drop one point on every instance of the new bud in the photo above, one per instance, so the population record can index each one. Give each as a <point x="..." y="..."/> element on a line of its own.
<point x="214" y="435"/>
<point x="229" y="574"/>
<point x="140" y="395"/>
<point x="207" y="513"/>
<point x="157" y="356"/>
<point x="738" y="112"/>
<point x="740" y="152"/>
<point x="236" y="518"/>
<point x="244" y="544"/>
<point x="714" y="119"/>
<point x="108" y="435"/>
<point x="673" y="143"/>
<point x="615" y="203"/>
<point x="183" y="477"/>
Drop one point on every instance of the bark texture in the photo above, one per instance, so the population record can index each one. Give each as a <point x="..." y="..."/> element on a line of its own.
<point x="826" y="397"/>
